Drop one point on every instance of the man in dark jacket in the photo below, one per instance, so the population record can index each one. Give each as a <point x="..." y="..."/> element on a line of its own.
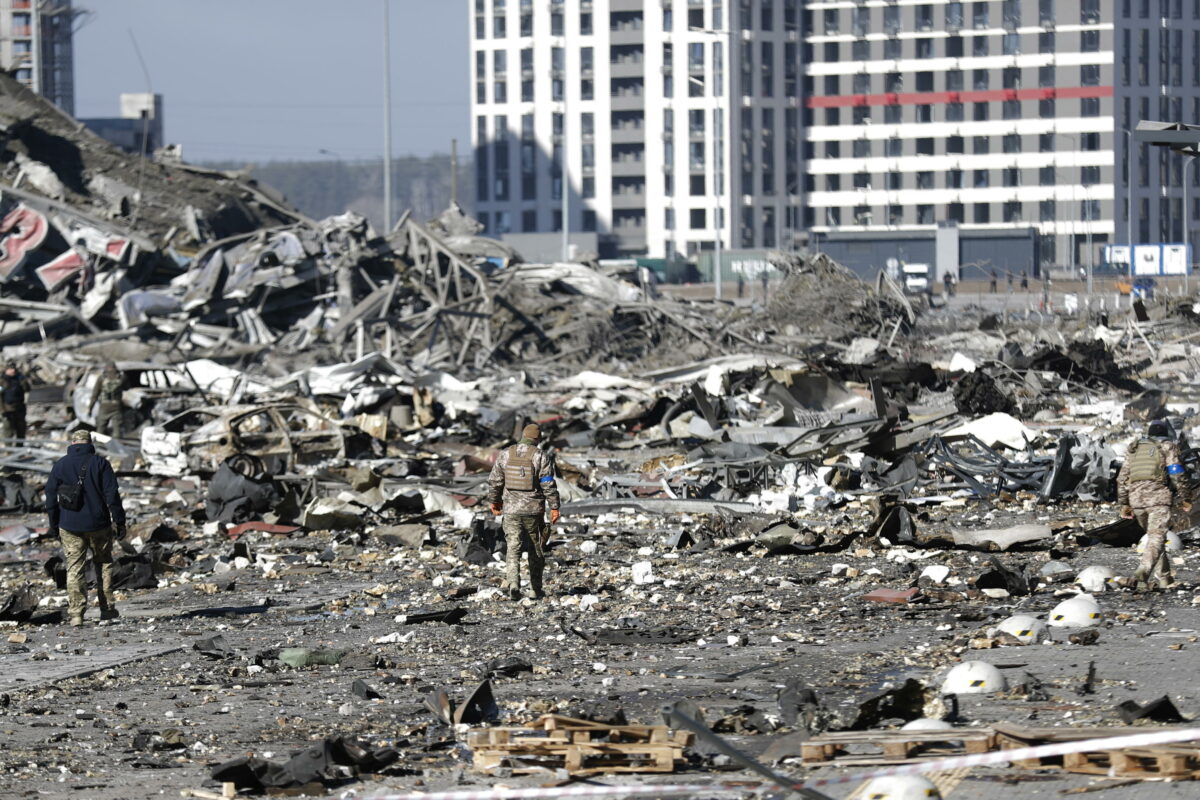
<point x="12" y="400"/>
<point x="89" y="528"/>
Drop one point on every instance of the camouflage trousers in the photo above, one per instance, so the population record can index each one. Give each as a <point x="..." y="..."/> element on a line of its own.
<point x="1156" y="561"/>
<point x="75" y="550"/>
<point x="523" y="532"/>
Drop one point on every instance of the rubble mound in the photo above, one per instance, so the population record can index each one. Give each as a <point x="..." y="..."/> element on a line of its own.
<point x="977" y="393"/>
<point x="820" y="297"/>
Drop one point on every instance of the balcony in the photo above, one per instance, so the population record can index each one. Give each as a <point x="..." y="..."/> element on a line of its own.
<point x="629" y="134"/>
<point x="22" y="31"/>
<point x="22" y="5"/>
<point x="629" y="200"/>
<point x="627" y="68"/>
<point x="628" y="167"/>
<point x="628" y="101"/>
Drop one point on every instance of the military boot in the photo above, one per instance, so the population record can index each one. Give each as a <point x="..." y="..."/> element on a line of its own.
<point x="1140" y="583"/>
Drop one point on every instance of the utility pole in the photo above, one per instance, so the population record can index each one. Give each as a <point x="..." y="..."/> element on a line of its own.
<point x="454" y="172"/>
<point x="387" y="121"/>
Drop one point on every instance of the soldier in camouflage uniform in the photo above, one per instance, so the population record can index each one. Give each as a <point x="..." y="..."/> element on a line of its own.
<point x="520" y="487"/>
<point x="1150" y="481"/>
<point x="107" y="399"/>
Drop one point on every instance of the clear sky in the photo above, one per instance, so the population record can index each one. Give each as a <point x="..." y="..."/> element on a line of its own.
<point x="263" y="80"/>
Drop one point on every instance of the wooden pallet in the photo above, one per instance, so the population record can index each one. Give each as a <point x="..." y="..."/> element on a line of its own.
<point x="1177" y="761"/>
<point x="895" y="747"/>
<point x="580" y="747"/>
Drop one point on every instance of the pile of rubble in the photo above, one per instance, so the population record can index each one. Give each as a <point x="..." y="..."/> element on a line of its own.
<point x="788" y="531"/>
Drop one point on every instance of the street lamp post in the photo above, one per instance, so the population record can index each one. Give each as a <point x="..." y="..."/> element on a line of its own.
<point x="720" y="57"/>
<point x="387" y="121"/>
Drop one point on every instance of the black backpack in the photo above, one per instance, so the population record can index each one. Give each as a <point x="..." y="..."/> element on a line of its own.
<point x="70" y="496"/>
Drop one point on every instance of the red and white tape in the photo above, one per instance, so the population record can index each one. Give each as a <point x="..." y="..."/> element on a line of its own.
<point x="1161" y="737"/>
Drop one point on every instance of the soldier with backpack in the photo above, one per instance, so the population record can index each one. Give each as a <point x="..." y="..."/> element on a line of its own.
<point x="520" y="487"/>
<point x="1150" y="481"/>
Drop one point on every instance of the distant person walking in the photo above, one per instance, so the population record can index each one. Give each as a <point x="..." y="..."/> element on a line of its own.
<point x="947" y="285"/>
<point x="520" y="487"/>
<point x="84" y="507"/>
<point x="12" y="402"/>
<point x="995" y="282"/>
<point x="1010" y="282"/>
<point x="1024" y="281"/>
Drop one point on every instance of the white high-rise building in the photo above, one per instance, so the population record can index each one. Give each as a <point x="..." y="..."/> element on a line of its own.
<point x="668" y="148"/>
<point x="37" y="46"/>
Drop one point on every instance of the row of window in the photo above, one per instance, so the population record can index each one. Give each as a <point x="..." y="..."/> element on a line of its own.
<point x="955" y="16"/>
<point x="1011" y="44"/>
<point x="1170" y="57"/>
<point x="953" y="80"/>
<point x="1011" y="211"/>
<point x="1009" y="177"/>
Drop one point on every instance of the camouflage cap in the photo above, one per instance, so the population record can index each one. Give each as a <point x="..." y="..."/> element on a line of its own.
<point x="81" y="436"/>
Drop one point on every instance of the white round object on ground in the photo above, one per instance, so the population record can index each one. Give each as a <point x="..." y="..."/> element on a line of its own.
<point x="926" y="724"/>
<point x="1095" y="579"/>
<point x="1028" y="629"/>
<point x="1174" y="543"/>
<point x="974" y="677"/>
<point x="901" y="787"/>
<point x="1081" y="611"/>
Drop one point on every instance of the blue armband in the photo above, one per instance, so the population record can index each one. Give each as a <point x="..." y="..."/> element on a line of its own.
<point x="547" y="479"/>
<point x="1175" y="469"/>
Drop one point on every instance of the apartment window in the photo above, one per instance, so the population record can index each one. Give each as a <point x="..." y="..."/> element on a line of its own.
<point x="955" y="144"/>
<point x="1046" y="42"/>
<point x="954" y="15"/>
<point x="831" y="21"/>
<point x="860" y="49"/>
<point x="529" y="221"/>
<point x="1089" y="12"/>
<point x="587" y="187"/>
<point x="481" y="92"/>
<point x="500" y="90"/>
<point x="1089" y="107"/>
<point x="954" y="46"/>
<point x="1011" y="77"/>
<point x="668" y="16"/>
<point x="587" y="89"/>
<point x="893" y="147"/>
<point x="895" y="181"/>
<point x="892" y="49"/>
<point x="585" y="24"/>
<point x="924" y="113"/>
<point x="696" y="185"/>
<point x="480" y="27"/>
<point x="954" y="179"/>
<point x="891" y="20"/>
<point x="587" y="155"/>
<point x="979" y="46"/>
<point x="861" y="115"/>
<point x="833" y="183"/>
<point x="1012" y="177"/>
<point x="862" y="148"/>
<point x="893" y="114"/>
<point x="955" y="212"/>
<point x="1046" y="77"/>
<point x="1012" y="142"/>
<point x="924" y="180"/>
<point x="1011" y="10"/>
<point x="981" y="145"/>
<point x="1089" y="74"/>
<point x="767" y="69"/>
<point x="924" y="17"/>
<point x="1089" y="41"/>
<point x="480" y="65"/>
<point x="697" y="219"/>
<point x="979" y="79"/>
<point x="979" y="15"/>
<point x="1010" y="44"/>
<point x="924" y="81"/>
<point x="767" y="17"/>
<point x="586" y="59"/>
<point x="482" y="185"/>
<point x="954" y="112"/>
<point x="954" y="80"/>
<point x="1045" y="12"/>
<point x="1012" y="211"/>
<point x="925" y="146"/>
<point x="499" y="26"/>
<point x="1046" y="108"/>
<point x="1011" y="109"/>
<point x="588" y="220"/>
<point x="1047" y="211"/>
<point x="924" y="48"/>
<point x="983" y="214"/>
<point x="1089" y="176"/>
<point x="981" y="112"/>
<point x="924" y="214"/>
<point x="862" y="180"/>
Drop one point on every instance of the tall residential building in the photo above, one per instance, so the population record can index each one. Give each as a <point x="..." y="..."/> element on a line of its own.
<point x="36" y="45"/>
<point x="998" y="116"/>
<point x="851" y="124"/>
<point x="679" y="124"/>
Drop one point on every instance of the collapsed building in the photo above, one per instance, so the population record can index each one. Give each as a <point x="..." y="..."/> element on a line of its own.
<point x="784" y="524"/>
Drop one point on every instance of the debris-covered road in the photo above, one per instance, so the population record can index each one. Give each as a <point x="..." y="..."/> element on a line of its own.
<point x="784" y="523"/>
